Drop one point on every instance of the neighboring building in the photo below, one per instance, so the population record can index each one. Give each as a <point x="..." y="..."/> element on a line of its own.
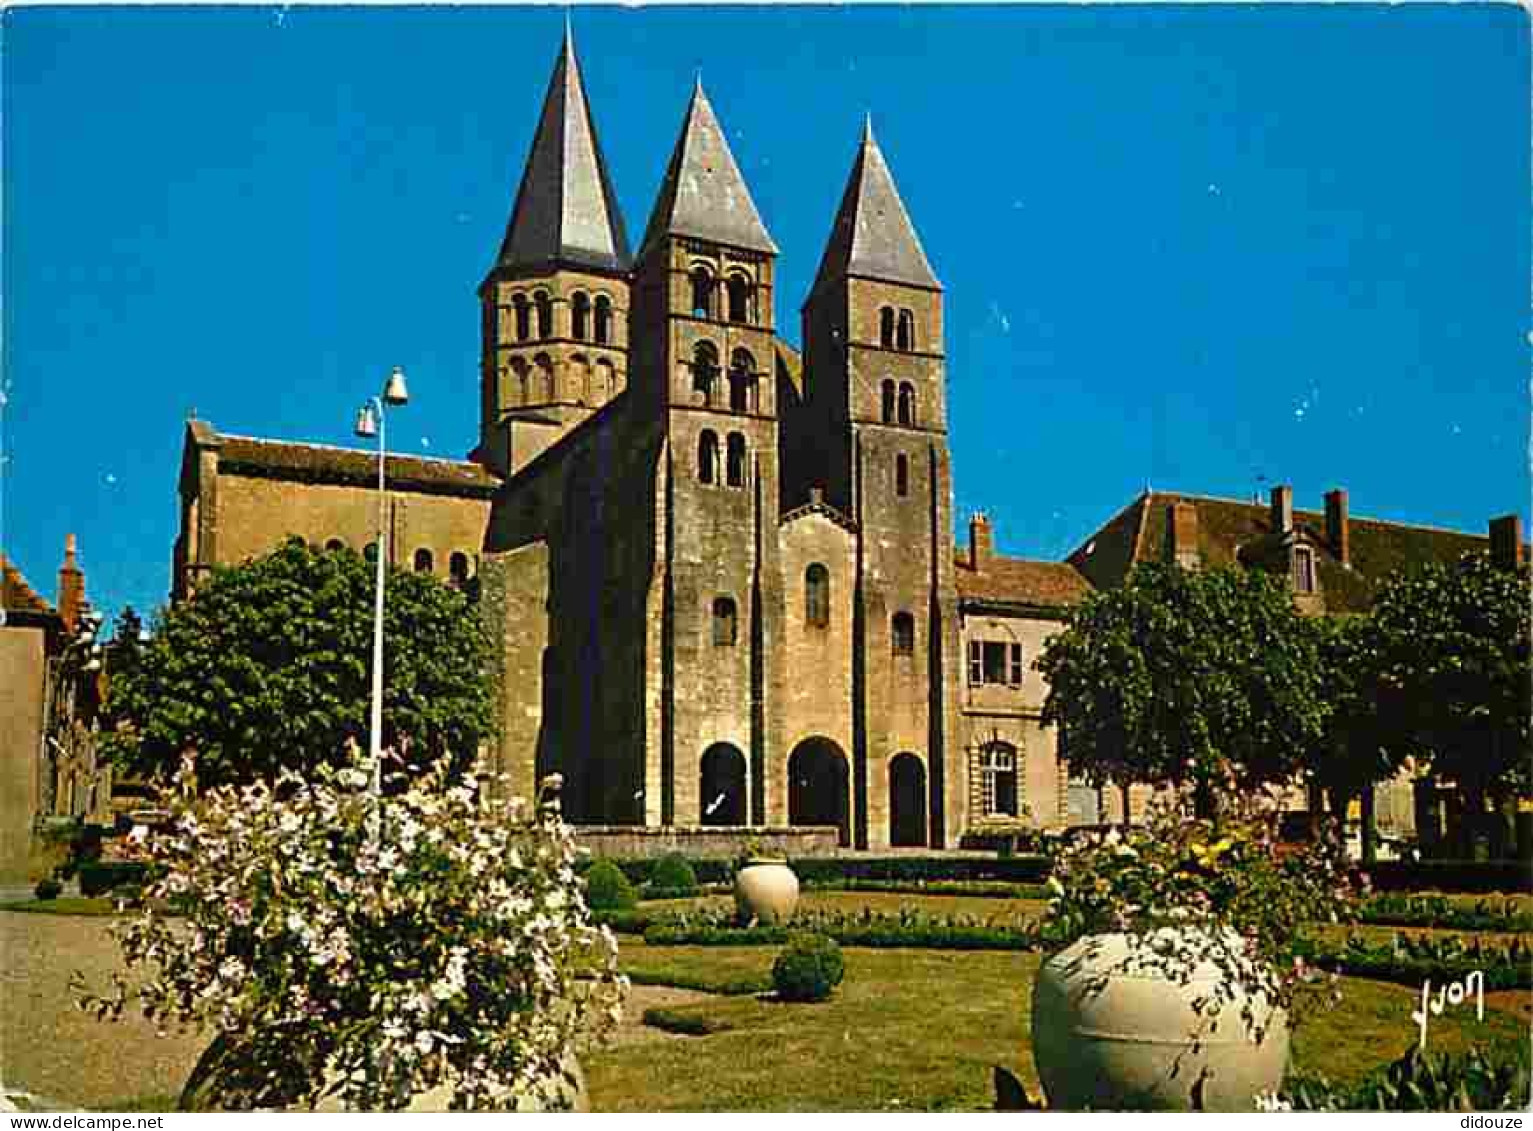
<point x="721" y="573"/>
<point x="48" y="695"/>
<point x="1332" y="561"/>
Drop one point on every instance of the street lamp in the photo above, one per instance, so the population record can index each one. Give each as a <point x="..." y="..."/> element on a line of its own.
<point x="370" y="423"/>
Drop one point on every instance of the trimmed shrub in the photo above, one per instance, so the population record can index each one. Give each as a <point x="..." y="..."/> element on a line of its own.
<point x="1398" y="910"/>
<point x="99" y="877"/>
<point x="686" y="1023"/>
<point x="1476" y="876"/>
<point x="607" y="889"/>
<point x="673" y="876"/>
<point x="47" y="888"/>
<point x="808" y="968"/>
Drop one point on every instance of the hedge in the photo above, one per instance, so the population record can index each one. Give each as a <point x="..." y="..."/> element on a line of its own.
<point x="1410" y="961"/>
<point x="1033" y="869"/>
<point x="1397" y="910"/>
<point x="98" y="877"/>
<point x="979" y="889"/>
<point x="1473" y="876"/>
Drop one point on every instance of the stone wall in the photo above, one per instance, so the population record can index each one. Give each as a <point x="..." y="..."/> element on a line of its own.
<point x="23" y="664"/>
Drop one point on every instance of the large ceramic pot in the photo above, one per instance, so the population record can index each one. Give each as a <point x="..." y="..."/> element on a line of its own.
<point x="1111" y="1031"/>
<point x="216" y="1065"/>
<point x="766" y="890"/>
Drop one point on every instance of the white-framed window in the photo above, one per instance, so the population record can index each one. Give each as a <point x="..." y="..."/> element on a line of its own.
<point x="996" y="662"/>
<point x="1303" y="569"/>
<point x="998" y="780"/>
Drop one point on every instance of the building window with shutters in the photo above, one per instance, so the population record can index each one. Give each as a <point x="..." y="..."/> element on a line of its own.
<point x="996" y="662"/>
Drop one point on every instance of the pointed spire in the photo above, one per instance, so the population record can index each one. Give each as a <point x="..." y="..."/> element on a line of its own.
<point x="565" y="211"/>
<point x="872" y="235"/>
<point x="703" y="194"/>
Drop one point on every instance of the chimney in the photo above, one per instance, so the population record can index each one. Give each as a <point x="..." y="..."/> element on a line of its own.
<point x="981" y="548"/>
<point x="1506" y="541"/>
<point x="71" y="588"/>
<point x="1182" y="522"/>
<point x="1282" y="509"/>
<point x="1336" y="529"/>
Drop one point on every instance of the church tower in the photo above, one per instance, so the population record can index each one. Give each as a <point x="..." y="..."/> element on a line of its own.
<point x="704" y="378"/>
<point x="555" y="304"/>
<point x="875" y="399"/>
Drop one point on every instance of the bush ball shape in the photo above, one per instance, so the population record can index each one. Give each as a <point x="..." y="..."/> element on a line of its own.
<point x="607" y="889"/>
<point x="808" y="968"/>
<point x="674" y="875"/>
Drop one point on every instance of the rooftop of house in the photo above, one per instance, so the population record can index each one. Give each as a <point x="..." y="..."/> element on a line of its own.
<point x="17" y="596"/>
<point x="1017" y="581"/>
<point x="324" y="463"/>
<point x="1141" y="532"/>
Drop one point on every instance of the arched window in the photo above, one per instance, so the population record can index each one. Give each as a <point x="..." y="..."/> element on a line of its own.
<point x="998" y="779"/>
<point x="901" y="475"/>
<point x="370" y="551"/>
<point x="545" y="379"/>
<point x="585" y="391"/>
<point x="702" y="292"/>
<point x="907" y="413"/>
<point x="734" y="462"/>
<point x="545" y="307"/>
<point x="905" y="335"/>
<point x="603" y="320"/>
<point x="724" y="622"/>
<point x="523" y="317"/>
<point x="902" y="634"/>
<point x="739" y="288"/>
<point x="742" y="382"/>
<point x="817" y="595"/>
<point x="888" y="405"/>
<point x="606" y="381"/>
<point x="580" y="316"/>
<point x="705" y="370"/>
<point x="708" y="458"/>
<point x="423" y="560"/>
<point x="457" y="569"/>
<point x="523" y="390"/>
<point x="335" y="544"/>
<point x="886" y="327"/>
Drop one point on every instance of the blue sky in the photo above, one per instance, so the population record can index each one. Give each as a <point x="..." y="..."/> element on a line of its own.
<point x="1204" y="248"/>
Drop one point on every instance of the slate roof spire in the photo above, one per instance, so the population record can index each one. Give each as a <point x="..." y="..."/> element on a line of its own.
<point x="872" y="235"/>
<point x="566" y="213"/>
<point x="703" y="194"/>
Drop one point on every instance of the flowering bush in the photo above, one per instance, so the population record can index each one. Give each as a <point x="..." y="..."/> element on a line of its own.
<point x="1225" y="878"/>
<point x="370" y="951"/>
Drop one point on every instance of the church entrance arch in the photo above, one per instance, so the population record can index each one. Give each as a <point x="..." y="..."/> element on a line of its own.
<point x="907" y="801"/>
<point x="818" y="790"/>
<point x="721" y="793"/>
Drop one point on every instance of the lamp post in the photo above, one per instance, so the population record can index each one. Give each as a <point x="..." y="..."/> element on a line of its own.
<point x="370" y="423"/>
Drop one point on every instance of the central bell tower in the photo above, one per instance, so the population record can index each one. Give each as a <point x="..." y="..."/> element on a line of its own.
<point x="554" y="306"/>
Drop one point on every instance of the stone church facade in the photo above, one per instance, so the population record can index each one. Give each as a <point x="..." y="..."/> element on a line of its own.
<point x="721" y="572"/>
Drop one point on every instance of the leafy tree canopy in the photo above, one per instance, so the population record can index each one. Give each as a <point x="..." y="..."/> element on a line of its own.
<point x="268" y="666"/>
<point x="1203" y="678"/>
<point x="1454" y="678"/>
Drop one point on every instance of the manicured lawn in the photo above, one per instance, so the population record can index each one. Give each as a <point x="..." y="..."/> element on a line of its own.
<point x="921" y="1031"/>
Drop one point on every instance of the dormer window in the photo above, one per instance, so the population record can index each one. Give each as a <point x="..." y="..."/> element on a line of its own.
<point x="1303" y="569"/>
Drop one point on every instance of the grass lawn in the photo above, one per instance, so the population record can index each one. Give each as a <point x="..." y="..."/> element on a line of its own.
<point x="912" y="1030"/>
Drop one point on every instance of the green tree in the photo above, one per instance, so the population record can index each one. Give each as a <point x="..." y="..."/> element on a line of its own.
<point x="1454" y="676"/>
<point x="1186" y="678"/>
<point x="268" y="665"/>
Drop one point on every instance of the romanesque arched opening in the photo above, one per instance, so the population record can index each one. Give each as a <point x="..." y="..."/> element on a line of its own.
<point x="721" y="794"/>
<point x="907" y="801"/>
<point x="818" y="791"/>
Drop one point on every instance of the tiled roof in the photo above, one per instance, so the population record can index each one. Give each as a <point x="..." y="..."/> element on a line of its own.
<point x="17" y="596"/>
<point x="284" y="460"/>
<point x="1140" y="532"/>
<point x="1016" y="581"/>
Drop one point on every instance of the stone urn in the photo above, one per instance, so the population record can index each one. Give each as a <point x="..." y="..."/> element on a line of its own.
<point x="1112" y="1029"/>
<point x="766" y="891"/>
<point x="205" y="1085"/>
